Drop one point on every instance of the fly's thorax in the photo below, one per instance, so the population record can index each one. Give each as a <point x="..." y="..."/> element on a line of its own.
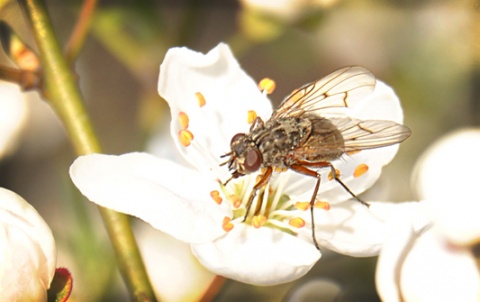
<point x="279" y="137"/>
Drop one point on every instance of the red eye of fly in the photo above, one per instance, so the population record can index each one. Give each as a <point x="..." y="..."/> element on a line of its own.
<point x="236" y="137"/>
<point x="253" y="160"/>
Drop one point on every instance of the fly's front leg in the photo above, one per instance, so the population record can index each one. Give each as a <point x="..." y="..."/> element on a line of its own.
<point x="261" y="182"/>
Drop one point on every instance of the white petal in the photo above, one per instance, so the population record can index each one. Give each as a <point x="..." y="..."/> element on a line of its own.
<point x="263" y="256"/>
<point x="351" y="228"/>
<point x="447" y="173"/>
<point x="382" y="104"/>
<point x="403" y="222"/>
<point x="170" y="197"/>
<point x="229" y="93"/>
<point x="13" y="112"/>
<point x="437" y="271"/>
<point x="27" y="250"/>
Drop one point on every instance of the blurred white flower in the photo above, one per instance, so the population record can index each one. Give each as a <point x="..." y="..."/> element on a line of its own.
<point x="13" y="112"/>
<point x="428" y="255"/>
<point x="210" y="100"/>
<point x="27" y="251"/>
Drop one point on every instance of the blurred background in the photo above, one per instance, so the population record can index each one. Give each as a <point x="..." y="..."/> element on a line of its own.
<point x="428" y="51"/>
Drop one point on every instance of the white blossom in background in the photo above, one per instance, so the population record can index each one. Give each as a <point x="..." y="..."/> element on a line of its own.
<point x="288" y="10"/>
<point x="27" y="251"/>
<point x="211" y="98"/>
<point x="428" y="255"/>
<point x="13" y="112"/>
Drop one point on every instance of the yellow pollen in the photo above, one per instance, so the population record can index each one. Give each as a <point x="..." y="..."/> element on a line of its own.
<point x="183" y="119"/>
<point x="330" y="175"/>
<point x="302" y="205"/>
<point x="297" y="222"/>
<point x="185" y="137"/>
<point x="200" y="99"/>
<point x="236" y="202"/>
<point x="322" y="205"/>
<point x="279" y="169"/>
<point x="294" y="96"/>
<point x="352" y="152"/>
<point x="216" y="196"/>
<point x="360" y="170"/>
<point x="227" y="224"/>
<point x="258" y="221"/>
<point x="267" y="85"/>
<point x="251" y="116"/>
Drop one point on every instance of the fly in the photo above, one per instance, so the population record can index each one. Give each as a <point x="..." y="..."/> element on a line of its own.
<point x="309" y="129"/>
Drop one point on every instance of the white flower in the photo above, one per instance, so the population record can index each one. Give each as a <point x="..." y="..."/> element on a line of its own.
<point x="211" y="99"/>
<point x="13" y="111"/>
<point x="27" y="251"/>
<point x="428" y="255"/>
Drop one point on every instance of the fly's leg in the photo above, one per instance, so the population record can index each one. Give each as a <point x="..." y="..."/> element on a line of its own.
<point x="303" y="170"/>
<point x="334" y="175"/>
<point x="261" y="182"/>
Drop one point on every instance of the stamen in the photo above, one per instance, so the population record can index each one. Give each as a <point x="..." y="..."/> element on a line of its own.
<point x="216" y="196"/>
<point x="236" y="202"/>
<point x="330" y="174"/>
<point x="349" y="153"/>
<point x="267" y="85"/>
<point x="185" y="137"/>
<point x="227" y="224"/>
<point x="360" y="170"/>
<point x="259" y="220"/>
<point x="183" y="119"/>
<point x="251" y="116"/>
<point x="302" y="205"/>
<point x="200" y="99"/>
<point x="297" y="222"/>
<point x="322" y="205"/>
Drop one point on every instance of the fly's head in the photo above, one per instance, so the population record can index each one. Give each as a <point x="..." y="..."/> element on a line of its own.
<point x="245" y="157"/>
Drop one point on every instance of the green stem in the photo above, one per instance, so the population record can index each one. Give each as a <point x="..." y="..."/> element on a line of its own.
<point x="65" y="98"/>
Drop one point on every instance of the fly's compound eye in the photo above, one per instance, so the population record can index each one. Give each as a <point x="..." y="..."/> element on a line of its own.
<point x="236" y="137"/>
<point x="253" y="160"/>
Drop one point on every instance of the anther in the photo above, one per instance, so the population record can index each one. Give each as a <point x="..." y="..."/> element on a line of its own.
<point x="330" y="174"/>
<point x="267" y="85"/>
<point x="185" y="137"/>
<point x="302" y="205"/>
<point x="322" y="205"/>
<point x="258" y="221"/>
<point x="297" y="222"/>
<point x="183" y="119"/>
<point x="236" y="202"/>
<point x="349" y="153"/>
<point x="227" y="224"/>
<point x="200" y="99"/>
<point x="251" y="116"/>
<point x="216" y="196"/>
<point x="360" y="170"/>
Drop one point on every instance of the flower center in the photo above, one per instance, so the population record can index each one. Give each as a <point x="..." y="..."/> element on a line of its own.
<point x="271" y="206"/>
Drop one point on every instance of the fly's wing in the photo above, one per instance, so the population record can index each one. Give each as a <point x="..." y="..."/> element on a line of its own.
<point x="359" y="135"/>
<point x="332" y="137"/>
<point x="340" y="89"/>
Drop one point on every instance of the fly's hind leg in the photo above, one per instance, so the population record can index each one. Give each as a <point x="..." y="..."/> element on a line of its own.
<point x="302" y="168"/>
<point x="306" y="171"/>
<point x="334" y="176"/>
